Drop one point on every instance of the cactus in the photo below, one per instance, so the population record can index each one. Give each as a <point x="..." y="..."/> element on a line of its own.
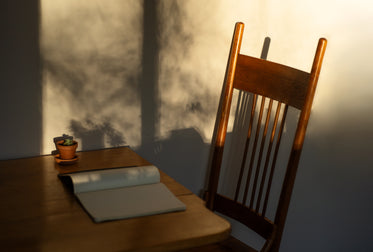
<point x="68" y="142"/>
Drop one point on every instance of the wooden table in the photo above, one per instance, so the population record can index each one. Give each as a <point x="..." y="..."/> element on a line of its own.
<point x="39" y="213"/>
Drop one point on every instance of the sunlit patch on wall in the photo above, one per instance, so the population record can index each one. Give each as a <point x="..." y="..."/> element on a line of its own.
<point x="189" y="81"/>
<point x="91" y="52"/>
<point x="194" y="48"/>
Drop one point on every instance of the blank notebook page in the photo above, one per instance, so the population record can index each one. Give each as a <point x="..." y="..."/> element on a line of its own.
<point x="128" y="202"/>
<point x="123" y="193"/>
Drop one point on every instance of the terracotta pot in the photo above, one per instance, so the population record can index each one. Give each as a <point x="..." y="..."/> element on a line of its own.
<point x="67" y="151"/>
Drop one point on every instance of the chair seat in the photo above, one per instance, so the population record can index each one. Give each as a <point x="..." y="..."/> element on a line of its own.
<point x="231" y="244"/>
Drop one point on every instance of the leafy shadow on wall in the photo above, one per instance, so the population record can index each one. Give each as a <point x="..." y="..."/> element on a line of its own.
<point x="94" y="136"/>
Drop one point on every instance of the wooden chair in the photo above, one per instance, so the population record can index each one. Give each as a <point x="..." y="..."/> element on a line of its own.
<point x="280" y="88"/>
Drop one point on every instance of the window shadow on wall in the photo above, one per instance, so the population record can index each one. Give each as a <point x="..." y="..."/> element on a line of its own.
<point x="183" y="154"/>
<point x="21" y="88"/>
<point x="148" y="86"/>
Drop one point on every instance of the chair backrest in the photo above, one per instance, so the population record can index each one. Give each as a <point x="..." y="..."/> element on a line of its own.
<point x="275" y="87"/>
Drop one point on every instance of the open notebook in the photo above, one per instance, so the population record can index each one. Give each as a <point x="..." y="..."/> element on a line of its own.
<point x="121" y="193"/>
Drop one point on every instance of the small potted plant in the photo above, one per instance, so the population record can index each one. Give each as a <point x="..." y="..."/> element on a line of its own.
<point x="67" y="148"/>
